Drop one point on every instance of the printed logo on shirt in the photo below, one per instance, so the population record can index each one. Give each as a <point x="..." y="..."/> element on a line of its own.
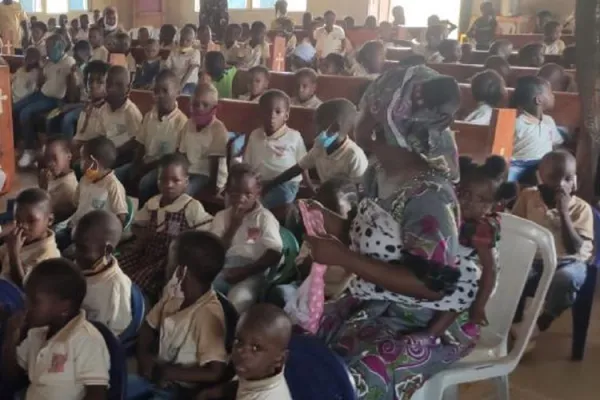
<point x="57" y="365"/>
<point x="253" y="234"/>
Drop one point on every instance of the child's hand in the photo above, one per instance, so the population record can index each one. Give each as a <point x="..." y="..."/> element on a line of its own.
<point x="477" y="314"/>
<point x="562" y="201"/>
<point x="236" y="217"/>
<point x="15" y="241"/>
<point x="44" y="178"/>
<point x="326" y="249"/>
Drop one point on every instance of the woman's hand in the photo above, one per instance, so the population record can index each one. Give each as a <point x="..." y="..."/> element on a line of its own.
<point x="334" y="223"/>
<point x="477" y="314"/>
<point x="326" y="249"/>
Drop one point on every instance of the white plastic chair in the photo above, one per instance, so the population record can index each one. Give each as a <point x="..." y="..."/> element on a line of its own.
<point x="519" y="242"/>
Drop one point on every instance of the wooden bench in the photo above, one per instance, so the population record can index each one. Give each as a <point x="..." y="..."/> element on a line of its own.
<point x="7" y="148"/>
<point x="523" y="39"/>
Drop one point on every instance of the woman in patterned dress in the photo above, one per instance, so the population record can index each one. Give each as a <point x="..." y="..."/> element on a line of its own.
<point x="214" y="13"/>
<point x="389" y="329"/>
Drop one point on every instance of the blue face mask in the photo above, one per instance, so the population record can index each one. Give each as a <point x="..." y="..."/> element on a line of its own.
<point x="56" y="53"/>
<point x="326" y="141"/>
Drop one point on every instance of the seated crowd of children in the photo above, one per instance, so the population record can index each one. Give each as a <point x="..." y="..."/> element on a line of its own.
<point x="190" y="264"/>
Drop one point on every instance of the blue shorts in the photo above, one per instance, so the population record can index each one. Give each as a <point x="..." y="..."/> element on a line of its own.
<point x="281" y="195"/>
<point x="523" y="171"/>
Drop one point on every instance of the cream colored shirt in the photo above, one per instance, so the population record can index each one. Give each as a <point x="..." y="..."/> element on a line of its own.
<point x="554" y="48"/>
<point x="272" y="155"/>
<point x="31" y="255"/>
<point x="56" y="74"/>
<point x="530" y="206"/>
<point x="120" y="125"/>
<point x="199" y="147"/>
<point x="108" y="298"/>
<point x="62" y="192"/>
<point x="482" y="115"/>
<point x="348" y="162"/>
<point x="179" y="62"/>
<point x="106" y="194"/>
<point x="88" y="125"/>
<point x="11" y="16"/>
<point x="161" y="137"/>
<point x="41" y="46"/>
<point x="62" y="366"/>
<point x="274" y="388"/>
<point x="193" y="336"/>
<point x="534" y="138"/>
<point x="313" y="102"/>
<point x="329" y="42"/>
<point x="24" y="83"/>
<point x="234" y="54"/>
<point x="195" y="215"/>
<point x="249" y="56"/>
<point x="100" y="53"/>
<point x="258" y="232"/>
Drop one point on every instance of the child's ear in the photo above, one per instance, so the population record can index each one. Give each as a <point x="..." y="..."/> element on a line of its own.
<point x="287" y="115"/>
<point x="281" y="360"/>
<point x="50" y="219"/>
<point x="538" y="100"/>
<point x="109" y="249"/>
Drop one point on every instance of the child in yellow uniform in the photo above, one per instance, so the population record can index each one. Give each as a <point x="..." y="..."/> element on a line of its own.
<point x="51" y="342"/>
<point x="108" y="298"/>
<point x="57" y="177"/>
<point x="204" y="142"/>
<point x="190" y="325"/>
<point x="99" y="51"/>
<point x="39" y="33"/>
<point x="306" y="86"/>
<point x="185" y="62"/>
<point x="25" y="81"/>
<point x="159" y="135"/>
<point x="30" y="241"/>
<point x="158" y="223"/>
<point x="259" y="83"/>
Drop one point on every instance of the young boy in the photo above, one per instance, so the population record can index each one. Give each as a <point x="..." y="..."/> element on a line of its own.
<point x="532" y="55"/>
<point x="99" y="51"/>
<point x="121" y="44"/>
<point x="53" y="87"/>
<point x="489" y="90"/>
<point x="108" y="298"/>
<point x="256" y="51"/>
<point x="166" y="36"/>
<point x="274" y="148"/>
<point x="483" y="30"/>
<point x="185" y="62"/>
<point x="190" y="327"/>
<point x="450" y="50"/>
<point x="370" y="60"/>
<point x="63" y="21"/>
<point x="221" y="76"/>
<point x="306" y="86"/>
<point x="204" y="142"/>
<point x="434" y="36"/>
<point x="231" y="47"/>
<point x="559" y="80"/>
<point x="24" y="82"/>
<point x="159" y="135"/>
<point x="251" y="236"/>
<point x="334" y="154"/>
<point x="258" y="85"/>
<point x="51" y="24"/>
<point x="30" y="240"/>
<point x="118" y="119"/>
<point x="57" y="177"/>
<point x="330" y="38"/>
<point x="333" y="64"/>
<point x="51" y="342"/>
<point x="552" y="43"/>
<point x="84" y="27"/>
<point x="39" y="30"/>
<point x="265" y="327"/>
<point x="147" y="72"/>
<point x="554" y="206"/>
<point x="143" y="37"/>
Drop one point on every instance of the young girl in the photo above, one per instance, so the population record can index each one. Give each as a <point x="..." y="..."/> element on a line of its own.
<point x="274" y="148"/>
<point x="251" y="236"/>
<point x="161" y="220"/>
<point x="450" y="50"/>
<point x="480" y="229"/>
<point x="39" y="30"/>
<point x="57" y="177"/>
<point x="25" y="80"/>
<point x="147" y="72"/>
<point x="552" y="43"/>
<point x="256" y="50"/>
<point x="489" y="91"/>
<point x="258" y="84"/>
<point x="185" y="61"/>
<point x="369" y="60"/>
<point x="204" y="142"/>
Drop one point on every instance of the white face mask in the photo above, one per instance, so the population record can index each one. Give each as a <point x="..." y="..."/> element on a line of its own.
<point x="112" y="27"/>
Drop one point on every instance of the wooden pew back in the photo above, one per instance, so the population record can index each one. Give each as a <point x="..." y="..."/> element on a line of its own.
<point x="7" y="147"/>
<point x="523" y="39"/>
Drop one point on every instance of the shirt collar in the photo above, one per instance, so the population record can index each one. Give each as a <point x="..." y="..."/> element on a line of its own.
<point x="530" y="119"/>
<point x="67" y="331"/>
<point x="263" y="384"/>
<point x="48" y="241"/>
<point x="278" y="133"/>
<point x="167" y="117"/>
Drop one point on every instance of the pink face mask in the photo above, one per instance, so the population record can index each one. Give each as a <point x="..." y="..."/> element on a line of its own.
<point x="202" y="119"/>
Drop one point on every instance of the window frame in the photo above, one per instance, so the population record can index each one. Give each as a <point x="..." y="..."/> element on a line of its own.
<point x="251" y="7"/>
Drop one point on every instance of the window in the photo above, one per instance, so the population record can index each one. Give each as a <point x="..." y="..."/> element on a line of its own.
<point x="57" y="6"/>
<point x="53" y="6"/>
<point x="31" y="5"/>
<point x="293" y="5"/>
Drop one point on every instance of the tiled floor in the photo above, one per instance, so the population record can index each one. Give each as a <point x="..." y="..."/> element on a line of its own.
<point x="545" y="374"/>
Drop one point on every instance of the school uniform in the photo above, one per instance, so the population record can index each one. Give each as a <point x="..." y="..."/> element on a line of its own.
<point x="62" y="366"/>
<point x="534" y="138"/>
<point x="88" y="124"/>
<point x="120" y="125"/>
<point x="329" y="42"/>
<point x="108" y="297"/>
<point x="572" y="269"/>
<point x="146" y="266"/>
<point x="31" y="255"/>
<point x="233" y="54"/>
<point x="555" y="48"/>
<point x="82" y="34"/>
<point x="100" y="53"/>
<point x="159" y="138"/>
<point x="200" y="146"/>
<point x="258" y="232"/>
<point x="273" y="388"/>
<point x="314" y="102"/>
<point x="179" y="62"/>
<point x="482" y="115"/>
<point x="47" y="98"/>
<point x="272" y="155"/>
<point x="253" y="56"/>
<point x="348" y="162"/>
<point x="146" y="74"/>
<point x="41" y="46"/>
<point x="62" y="192"/>
<point x="24" y="83"/>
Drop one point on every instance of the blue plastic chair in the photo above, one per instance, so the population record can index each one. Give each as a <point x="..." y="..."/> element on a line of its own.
<point x="118" y="363"/>
<point x="582" y="308"/>
<point x="11" y="297"/>
<point x="313" y="371"/>
<point x="138" y="312"/>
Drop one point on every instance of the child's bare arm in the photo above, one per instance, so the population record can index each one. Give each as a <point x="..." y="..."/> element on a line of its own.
<point x="15" y="330"/>
<point x="571" y="239"/>
<point x="285" y="176"/>
<point x="144" y="355"/>
<point x="486" y="285"/>
<point x="269" y="259"/>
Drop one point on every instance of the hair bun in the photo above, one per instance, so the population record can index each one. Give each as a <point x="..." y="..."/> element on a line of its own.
<point x="495" y="167"/>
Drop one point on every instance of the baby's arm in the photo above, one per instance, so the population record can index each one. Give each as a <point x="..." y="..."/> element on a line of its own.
<point x="487" y="282"/>
<point x="144" y="355"/>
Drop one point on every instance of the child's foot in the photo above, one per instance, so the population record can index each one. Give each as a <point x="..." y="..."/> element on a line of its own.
<point x="27" y="159"/>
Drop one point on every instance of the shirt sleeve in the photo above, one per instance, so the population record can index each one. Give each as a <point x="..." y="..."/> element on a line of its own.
<point x="92" y="361"/>
<point x="23" y="352"/>
<point x="271" y="238"/>
<point x="140" y="135"/>
<point x="196" y="59"/>
<point x="117" y="198"/>
<point x="133" y="119"/>
<point x="154" y="316"/>
<point x="220" y="138"/>
<point x="358" y="164"/>
<point x="429" y="227"/>
<point x="300" y="148"/>
<point x="196" y="215"/>
<point x="309" y="160"/>
<point x="555" y="135"/>
<point x="210" y="339"/>
<point x="583" y="221"/>
<point x="218" y="224"/>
